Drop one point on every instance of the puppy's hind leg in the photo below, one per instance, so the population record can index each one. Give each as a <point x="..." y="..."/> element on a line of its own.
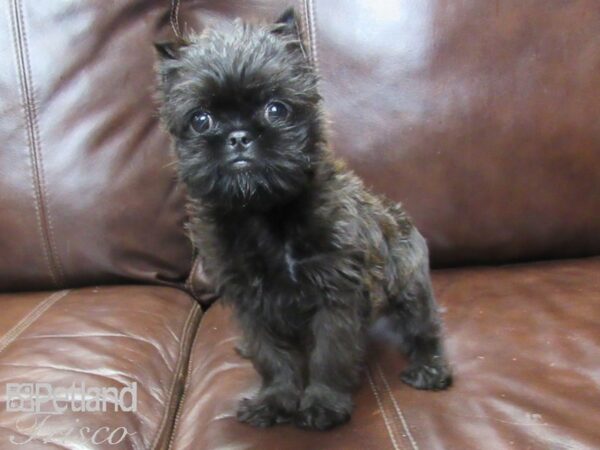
<point x="413" y="316"/>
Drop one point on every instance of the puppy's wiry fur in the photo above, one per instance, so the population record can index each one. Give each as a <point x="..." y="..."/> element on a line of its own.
<point x="289" y="237"/>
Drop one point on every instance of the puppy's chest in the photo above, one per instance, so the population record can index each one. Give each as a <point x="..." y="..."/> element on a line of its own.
<point x="269" y="259"/>
<point x="274" y="263"/>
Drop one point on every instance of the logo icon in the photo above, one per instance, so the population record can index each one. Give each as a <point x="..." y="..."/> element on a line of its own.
<point x="20" y="397"/>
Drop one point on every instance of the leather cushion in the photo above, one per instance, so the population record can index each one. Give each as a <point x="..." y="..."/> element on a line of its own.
<point x="103" y="337"/>
<point x="524" y="344"/>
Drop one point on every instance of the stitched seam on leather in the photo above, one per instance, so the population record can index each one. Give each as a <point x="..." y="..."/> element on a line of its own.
<point x="174" y="18"/>
<point x="42" y="181"/>
<point x="29" y="319"/>
<point x="312" y="15"/>
<point x="309" y="11"/>
<point x="412" y="440"/>
<point x="305" y="29"/>
<point x="394" y="422"/>
<point x="185" y="391"/>
<point x="176" y="374"/>
<point x="24" y="96"/>
<point x="386" y="419"/>
<point x="45" y="228"/>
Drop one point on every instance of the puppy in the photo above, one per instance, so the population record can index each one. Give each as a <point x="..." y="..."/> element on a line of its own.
<point x="290" y="237"/>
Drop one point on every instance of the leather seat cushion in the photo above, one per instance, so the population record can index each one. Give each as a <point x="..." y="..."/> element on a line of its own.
<point x="103" y="337"/>
<point x="524" y="344"/>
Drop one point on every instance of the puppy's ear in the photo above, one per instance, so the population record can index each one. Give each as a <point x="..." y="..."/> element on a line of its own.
<point x="169" y="50"/>
<point x="167" y="67"/>
<point x="287" y="23"/>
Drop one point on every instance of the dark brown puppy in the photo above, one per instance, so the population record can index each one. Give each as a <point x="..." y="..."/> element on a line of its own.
<point x="289" y="237"/>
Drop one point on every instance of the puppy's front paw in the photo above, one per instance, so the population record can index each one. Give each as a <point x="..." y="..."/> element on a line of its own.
<point x="323" y="408"/>
<point x="269" y="407"/>
<point x="258" y="412"/>
<point x="435" y="377"/>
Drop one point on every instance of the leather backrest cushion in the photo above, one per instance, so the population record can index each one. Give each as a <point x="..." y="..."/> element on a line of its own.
<point x="483" y="117"/>
<point x="87" y="194"/>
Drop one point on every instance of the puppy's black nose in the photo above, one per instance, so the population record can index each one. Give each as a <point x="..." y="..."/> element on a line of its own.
<point x="241" y="139"/>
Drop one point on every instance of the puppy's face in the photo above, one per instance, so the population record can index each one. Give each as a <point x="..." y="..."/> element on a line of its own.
<point x="242" y="104"/>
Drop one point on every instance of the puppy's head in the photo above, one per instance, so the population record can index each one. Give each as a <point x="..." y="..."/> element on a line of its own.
<point x="241" y="102"/>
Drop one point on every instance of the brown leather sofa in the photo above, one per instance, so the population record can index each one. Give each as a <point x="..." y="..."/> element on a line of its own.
<point x="483" y="117"/>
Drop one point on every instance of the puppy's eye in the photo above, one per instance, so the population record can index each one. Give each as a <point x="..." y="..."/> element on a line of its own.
<point x="201" y="121"/>
<point x="276" y="111"/>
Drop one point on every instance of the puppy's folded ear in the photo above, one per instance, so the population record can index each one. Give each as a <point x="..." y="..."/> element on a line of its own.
<point x="288" y="28"/>
<point x="169" y="50"/>
<point x="168" y="62"/>
<point x="287" y="23"/>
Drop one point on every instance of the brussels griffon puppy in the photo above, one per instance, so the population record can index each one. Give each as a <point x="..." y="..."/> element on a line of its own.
<point x="290" y="237"/>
